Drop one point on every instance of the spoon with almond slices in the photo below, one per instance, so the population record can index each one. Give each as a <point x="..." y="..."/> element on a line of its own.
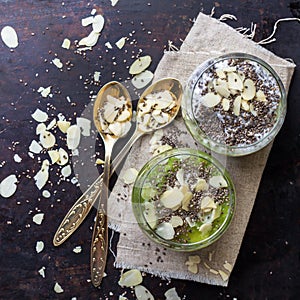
<point x="157" y="108"/>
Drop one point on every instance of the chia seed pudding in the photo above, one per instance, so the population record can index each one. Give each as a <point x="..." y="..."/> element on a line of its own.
<point x="238" y="101"/>
<point x="183" y="201"/>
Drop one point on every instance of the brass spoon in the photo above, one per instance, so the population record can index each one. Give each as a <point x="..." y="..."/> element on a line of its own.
<point x="100" y="238"/>
<point x="83" y="205"/>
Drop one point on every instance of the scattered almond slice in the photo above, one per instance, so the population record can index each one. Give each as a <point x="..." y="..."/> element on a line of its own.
<point x="63" y="157"/>
<point x="225" y="104"/>
<point x="9" y="37"/>
<point x="8" y="186"/>
<point x="54" y="156"/>
<point x="140" y="64"/>
<point x="249" y="90"/>
<point x="245" y="105"/>
<point x="35" y="147"/>
<point x="201" y="185"/>
<point x="108" y="45"/>
<point x="77" y="249"/>
<point x="228" y="266"/>
<point x="194" y="259"/>
<point x="40" y="128"/>
<point x="121" y="42"/>
<point x="99" y="161"/>
<point x="218" y="181"/>
<point x="98" y="24"/>
<point x="97" y="76"/>
<point x="211" y="99"/>
<point x="130" y="175"/>
<point x="63" y="125"/>
<point x="40" y="116"/>
<point x="85" y="126"/>
<point x="237" y="105"/>
<point x="46" y="194"/>
<point x="205" y="228"/>
<point x="171" y="198"/>
<point x="87" y="21"/>
<point x="142" y="293"/>
<point x="66" y="44"/>
<point x="186" y="200"/>
<point x="221" y="87"/>
<point x="73" y="137"/>
<point x="171" y="294"/>
<point x="224" y="275"/>
<point x="176" y="221"/>
<point x="208" y="202"/>
<point x="165" y="230"/>
<point x="234" y="81"/>
<point x="56" y="61"/>
<point x="130" y="278"/>
<point x="114" y="2"/>
<point x="45" y="92"/>
<point x="221" y="74"/>
<point x="51" y="124"/>
<point x="39" y="247"/>
<point x="229" y="69"/>
<point x="180" y="177"/>
<point x="193" y="268"/>
<point x="57" y="288"/>
<point x="38" y="218"/>
<point x="89" y="41"/>
<point x="47" y="139"/>
<point x="125" y="115"/>
<point x="41" y="177"/>
<point x="66" y="171"/>
<point x="41" y="271"/>
<point x="142" y="79"/>
<point x="17" y="158"/>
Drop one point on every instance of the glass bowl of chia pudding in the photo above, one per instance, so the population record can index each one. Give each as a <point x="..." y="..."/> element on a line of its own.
<point x="183" y="199"/>
<point x="234" y="104"/>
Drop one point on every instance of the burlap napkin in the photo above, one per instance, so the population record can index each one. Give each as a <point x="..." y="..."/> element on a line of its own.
<point x="207" y="38"/>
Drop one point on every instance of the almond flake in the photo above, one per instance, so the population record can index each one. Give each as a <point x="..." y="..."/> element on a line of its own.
<point x="66" y="44"/>
<point x="228" y="266"/>
<point x="85" y="126"/>
<point x="63" y="157"/>
<point x="165" y="230"/>
<point x="38" y="218"/>
<point x="99" y="161"/>
<point x="195" y="259"/>
<point x="45" y="92"/>
<point x="139" y="65"/>
<point x="17" y="158"/>
<point x="114" y="2"/>
<point x="9" y="37"/>
<point x="130" y="175"/>
<point x="8" y="186"/>
<point x="260" y="96"/>
<point x="108" y="45"/>
<point x="208" y="202"/>
<point x="98" y="24"/>
<point x="63" y="125"/>
<point x="87" y="21"/>
<point x="57" y="288"/>
<point x="77" y="249"/>
<point x="121" y="42"/>
<point x="130" y="278"/>
<point x="176" y="221"/>
<point x="54" y="156"/>
<point x="171" y="294"/>
<point x="35" y="147"/>
<point x="41" y="271"/>
<point x="39" y="247"/>
<point x="66" y="171"/>
<point x="201" y="185"/>
<point x="51" y="124"/>
<point x="150" y="214"/>
<point x="235" y="82"/>
<point x="97" y="76"/>
<point x="237" y="105"/>
<point x="186" y="200"/>
<point x="218" y="181"/>
<point x="41" y="177"/>
<point x="73" y="137"/>
<point x="47" y="139"/>
<point x="205" y="228"/>
<point x="172" y="198"/>
<point x="249" y="89"/>
<point x="56" y="61"/>
<point x="142" y="79"/>
<point x="221" y="74"/>
<point x="89" y="41"/>
<point x="142" y="293"/>
<point x="193" y="268"/>
<point x="39" y="116"/>
<point x="211" y="99"/>
<point x="40" y="128"/>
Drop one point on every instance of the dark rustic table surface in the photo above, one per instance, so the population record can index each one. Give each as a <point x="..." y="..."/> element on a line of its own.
<point x="268" y="262"/>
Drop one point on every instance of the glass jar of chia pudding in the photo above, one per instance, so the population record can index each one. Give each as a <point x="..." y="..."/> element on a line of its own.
<point x="234" y="104"/>
<point x="183" y="199"/>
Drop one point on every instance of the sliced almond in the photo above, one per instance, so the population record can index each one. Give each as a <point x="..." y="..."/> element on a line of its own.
<point x="249" y="90"/>
<point x="211" y="99"/>
<point x="193" y="268"/>
<point x="57" y="288"/>
<point x="221" y="87"/>
<point x="139" y="65"/>
<point x="163" y="99"/>
<point x="84" y="125"/>
<point x="235" y="82"/>
<point x="63" y="157"/>
<point x="54" y="156"/>
<point x="205" y="228"/>
<point x="201" y="185"/>
<point x="260" y="96"/>
<point x="194" y="259"/>
<point x="171" y="294"/>
<point x="229" y="69"/>
<point x="40" y="116"/>
<point x="89" y="41"/>
<point x="224" y="275"/>
<point x="8" y="186"/>
<point x="98" y="24"/>
<point x="63" y="125"/>
<point x="57" y="62"/>
<point x="142" y="79"/>
<point x="165" y="230"/>
<point x="130" y="175"/>
<point x="221" y="74"/>
<point x="73" y="137"/>
<point x="228" y="266"/>
<point x="66" y="44"/>
<point x="172" y="198"/>
<point x="208" y="202"/>
<point x="87" y="21"/>
<point x="186" y="200"/>
<point x="9" y="37"/>
<point x="237" y="105"/>
<point x="142" y="293"/>
<point x="51" y="124"/>
<point x="225" y="104"/>
<point x="150" y="214"/>
<point x="47" y="139"/>
<point x="35" y="147"/>
<point x="176" y="221"/>
<point x="66" y="171"/>
<point x="180" y="177"/>
<point x="38" y="218"/>
<point x="130" y="278"/>
<point x="39" y="247"/>
<point x="121" y="42"/>
<point x="41" y="127"/>
<point x="245" y="105"/>
<point x="218" y="181"/>
<point x="41" y="177"/>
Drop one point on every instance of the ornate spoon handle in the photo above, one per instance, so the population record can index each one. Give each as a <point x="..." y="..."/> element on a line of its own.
<point x="83" y="205"/>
